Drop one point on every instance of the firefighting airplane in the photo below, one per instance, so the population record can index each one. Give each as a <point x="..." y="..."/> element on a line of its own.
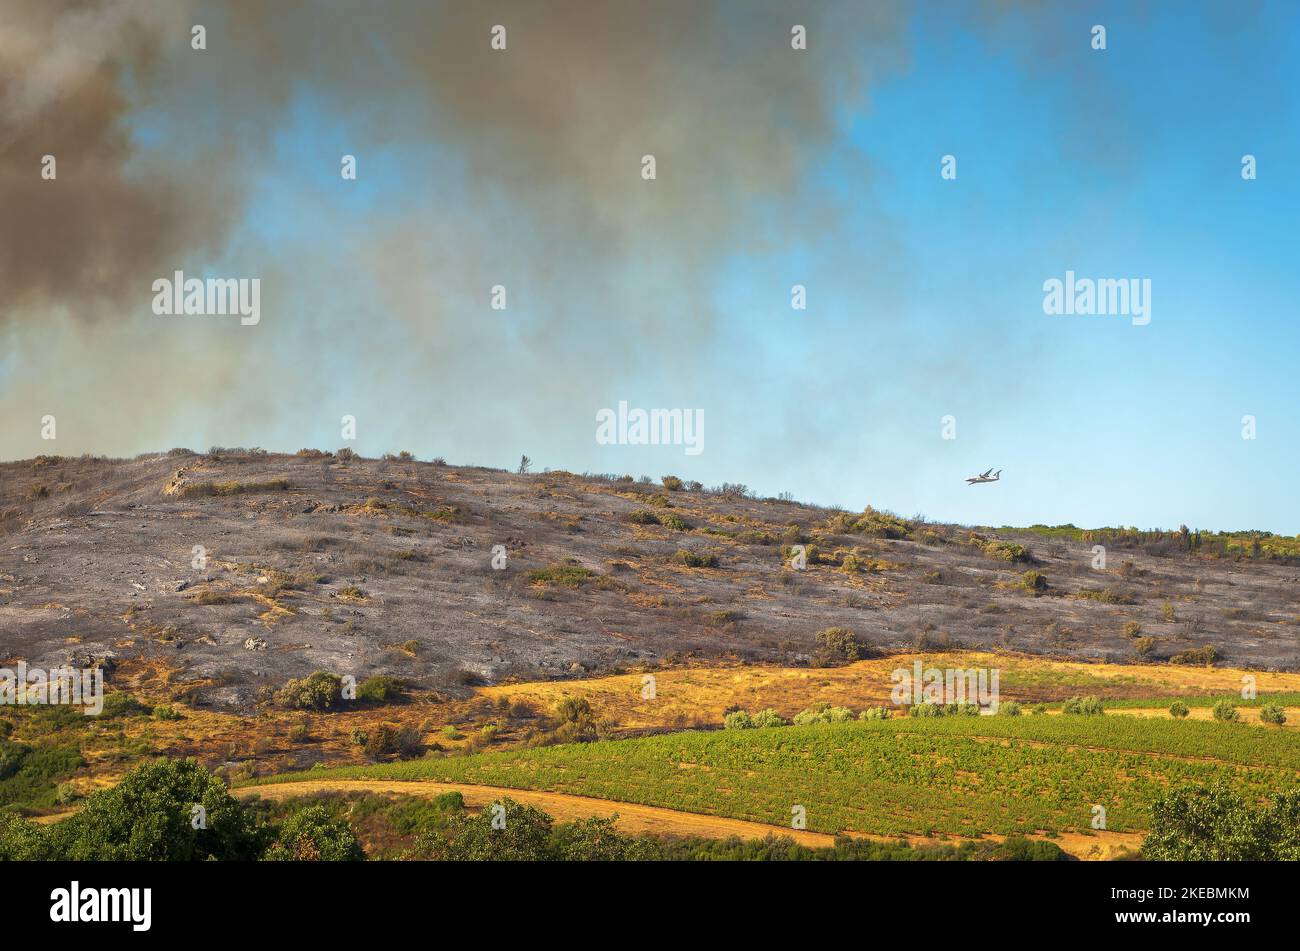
<point x="985" y="477"/>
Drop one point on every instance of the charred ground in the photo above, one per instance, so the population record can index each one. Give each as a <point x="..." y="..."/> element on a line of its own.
<point x="385" y="566"/>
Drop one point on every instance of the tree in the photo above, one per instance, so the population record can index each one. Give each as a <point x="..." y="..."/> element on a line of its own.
<point x="151" y="816"/>
<point x="1203" y="824"/>
<point x="1215" y="824"/>
<point x="524" y="464"/>
<point x="837" y="645"/>
<point x="1284" y="826"/>
<point x="23" y="841"/>
<point x="314" y="835"/>
<point x="320" y="691"/>
<point x="505" y="831"/>
<point x="598" y="840"/>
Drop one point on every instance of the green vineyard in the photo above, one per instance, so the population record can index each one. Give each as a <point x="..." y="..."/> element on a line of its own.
<point x="959" y="776"/>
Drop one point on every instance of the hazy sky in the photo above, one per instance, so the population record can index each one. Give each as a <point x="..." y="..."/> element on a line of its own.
<point x="775" y="167"/>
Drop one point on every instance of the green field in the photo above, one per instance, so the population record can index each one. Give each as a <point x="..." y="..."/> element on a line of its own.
<point x="1287" y="700"/>
<point x="959" y="775"/>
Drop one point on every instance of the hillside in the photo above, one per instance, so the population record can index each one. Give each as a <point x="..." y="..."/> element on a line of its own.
<point x="385" y="566"/>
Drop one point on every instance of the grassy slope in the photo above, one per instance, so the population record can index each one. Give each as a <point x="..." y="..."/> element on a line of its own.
<point x="964" y="776"/>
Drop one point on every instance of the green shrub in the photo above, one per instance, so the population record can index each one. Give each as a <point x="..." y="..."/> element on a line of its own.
<point x="387" y="738"/>
<point x="165" y="711"/>
<point x="1105" y="595"/>
<point x="381" y="739"/>
<point x="23" y="841"/>
<point x="643" y="517"/>
<point x="504" y="831"/>
<point x="1016" y="848"/>
<point x="1225" y="711"/>
<point x="925" y="710"/>
<point x="1196" y="656"/>
<point x="875" y="713"/>
<point x="764" y="719"/>
<point x="738" y="720"/>
<point x="315" y="835"/>
<point x="674" y="522"/>
<point x="566" y="575"/>
<point x="573" y="710"/>
<point x="724" y="618"/>
<point x="1034" y="581"/>
<point x="823" y="713"/>
<point x="1272" y="713"/>
<point x="836" y="645"/>
<point x="597" y="839"/>
<point x="320" y="691"/>
<point x="122" y="704"/>
<point x="1083" y="706"/>
<point x="453" y="801"/>
<point x="1132" y="629"/>
<point x="29" y="777"/>
<point x="1178" y="710"/>
<point x="872" y="523"/>
<point x="692" y="560"/>
<point x="1009" y="708"/>
<point x="575" y="722"/>
<point x="379" y="689"/>
<point x="1007" y="551"/>
<point x="193" y="489"/>
<point x="672" y="483"/>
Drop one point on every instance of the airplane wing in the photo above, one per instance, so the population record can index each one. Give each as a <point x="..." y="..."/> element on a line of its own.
<point x="985" y="474"/>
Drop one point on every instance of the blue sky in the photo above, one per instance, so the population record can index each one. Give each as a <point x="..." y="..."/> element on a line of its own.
<point x="1095" y="421"/>
<point x="924" y="295"/>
